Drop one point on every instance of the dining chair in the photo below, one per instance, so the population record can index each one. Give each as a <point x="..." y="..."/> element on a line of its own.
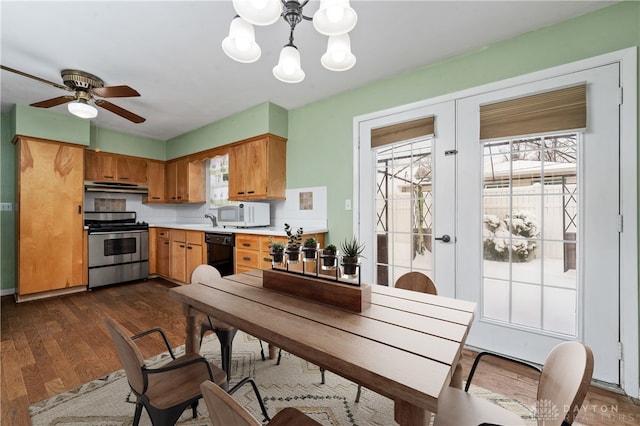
<point x="164" y="391"/>
<point x="415" y="281"/>
<point x="564" y="381"/>
<point x="225" y="332"/>
<point x="224" y="411"/>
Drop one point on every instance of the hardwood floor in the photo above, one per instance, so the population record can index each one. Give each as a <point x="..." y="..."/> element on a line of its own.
<point x="53" y="345"/>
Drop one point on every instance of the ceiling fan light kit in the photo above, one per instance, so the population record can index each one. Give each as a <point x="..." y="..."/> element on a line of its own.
<point x="85" y="87"/>
<point x="82" y="109"/>
<point x="334" y="18"/>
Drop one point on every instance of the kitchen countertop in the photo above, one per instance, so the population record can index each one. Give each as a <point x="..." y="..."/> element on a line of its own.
<point x="269" y="230"/>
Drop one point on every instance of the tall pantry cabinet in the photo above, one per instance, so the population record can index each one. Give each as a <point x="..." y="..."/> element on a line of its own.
<point x="50" y="199"/>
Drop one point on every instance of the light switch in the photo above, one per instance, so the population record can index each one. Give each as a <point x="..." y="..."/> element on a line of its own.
<point x="6" y="207"/>
<point x="347" y="204"/>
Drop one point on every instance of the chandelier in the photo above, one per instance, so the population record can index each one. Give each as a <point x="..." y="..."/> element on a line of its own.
<point x="334" y="18"/>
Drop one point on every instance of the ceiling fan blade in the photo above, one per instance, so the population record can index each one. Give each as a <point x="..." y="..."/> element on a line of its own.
<point x="115" y="92"/>
<point x="54" y="102"/>
<point x="120" y="111"/>
<point x="42" y="80"/>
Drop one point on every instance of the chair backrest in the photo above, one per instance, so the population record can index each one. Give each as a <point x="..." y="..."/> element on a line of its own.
<point x="566" y="376"/>
<point x="129" y="354"/>
<point x="204" y="273"/>
<point x="417" y="281"/>
<point x="223" y="409"/>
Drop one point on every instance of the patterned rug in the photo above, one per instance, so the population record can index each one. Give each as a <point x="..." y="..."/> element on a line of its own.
<point x="108" y="401"/>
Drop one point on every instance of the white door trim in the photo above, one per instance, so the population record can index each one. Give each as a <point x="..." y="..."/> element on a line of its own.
<point x="629" y="312"/>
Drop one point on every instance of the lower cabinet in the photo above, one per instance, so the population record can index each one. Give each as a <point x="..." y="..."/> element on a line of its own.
<point x="252" y="251"/>
<point x="177" y="253"/>
<point x="162" y="252"/>
<point x="187" y="250"/>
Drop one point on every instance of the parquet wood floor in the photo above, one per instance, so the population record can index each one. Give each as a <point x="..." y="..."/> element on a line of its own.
<point x="53" y="345"/>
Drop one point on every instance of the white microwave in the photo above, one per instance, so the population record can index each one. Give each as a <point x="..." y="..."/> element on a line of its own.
<point x="245" y="215"/>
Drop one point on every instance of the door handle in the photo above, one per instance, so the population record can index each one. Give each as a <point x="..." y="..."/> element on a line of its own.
<point x="445" y="238"/>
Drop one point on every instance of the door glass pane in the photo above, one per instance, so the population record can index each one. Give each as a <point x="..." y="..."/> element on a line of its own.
<point x="404" y="209"/>
<point x="530" y="205"/>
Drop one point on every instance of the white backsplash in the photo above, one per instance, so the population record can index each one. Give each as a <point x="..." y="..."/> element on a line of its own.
<point x="311" y="212"/>
<point x="294" y="211"/>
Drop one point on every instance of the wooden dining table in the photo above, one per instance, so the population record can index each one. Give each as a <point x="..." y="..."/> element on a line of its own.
<point x="405" y="346"/>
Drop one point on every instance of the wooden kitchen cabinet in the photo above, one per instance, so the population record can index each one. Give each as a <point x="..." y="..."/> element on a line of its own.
<point x="187" y="251"/>
<point x="50" y="196"/>
<point x="155" y="179"/>
<point x="252" y="250"/>
<point x="106" y="167"/>
<point x="185" y="181"/>
<point x="257" y="169"/>
<point x="160" y="264"/>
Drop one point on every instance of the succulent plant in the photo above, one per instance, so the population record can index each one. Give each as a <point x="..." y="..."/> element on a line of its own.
<point x="352" y="248"/>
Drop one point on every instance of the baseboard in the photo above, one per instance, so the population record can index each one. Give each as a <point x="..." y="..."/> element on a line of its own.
<point x="7" y="291"/>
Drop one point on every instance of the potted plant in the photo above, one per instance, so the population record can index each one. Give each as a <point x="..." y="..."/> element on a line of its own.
<point x="294" y="241"/>
<point x="276" y="251"/>
<point x="351" y="251"/>
<point x="310" y="248"/>
<point x="329" y="257"/>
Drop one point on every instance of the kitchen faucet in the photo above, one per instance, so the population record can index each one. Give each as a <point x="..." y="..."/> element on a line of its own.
<point x="214" y="221"/>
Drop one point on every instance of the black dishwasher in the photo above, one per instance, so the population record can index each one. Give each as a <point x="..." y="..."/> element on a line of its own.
<point x="220" y="251"/>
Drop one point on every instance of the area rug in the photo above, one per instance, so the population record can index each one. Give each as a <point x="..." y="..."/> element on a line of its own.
<point x="108" y="401"/>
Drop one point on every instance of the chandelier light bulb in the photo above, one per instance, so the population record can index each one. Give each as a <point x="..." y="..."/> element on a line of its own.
<point x="258" y="12"/>
<point x="82" y="109"/>
<point x="288" y="69"/>
<point x="335" y="13"/>
<point x="241" y="44"/>
<point x="334" y="17"/>
<point x="338" y="56"/>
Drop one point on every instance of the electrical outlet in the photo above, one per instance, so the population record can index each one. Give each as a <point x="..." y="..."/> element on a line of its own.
<point x="6" y="207"/>
<point x="347" y="204"/>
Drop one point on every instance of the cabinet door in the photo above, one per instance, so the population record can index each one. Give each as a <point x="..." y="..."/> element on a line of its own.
<point x="178" y="261"/>
<point x="236" y="172"/>
<point x="171" y="175"/>
<point x="50" y="215"/>
<point x="182" y="180"/>
<point x="155" y="179"/>
<point x="100" y="167"/>
<point x="132" y="170"/>
<point x="255" y="176"/>
<point x="163" y="252"/>
<point x="194" y="258"/>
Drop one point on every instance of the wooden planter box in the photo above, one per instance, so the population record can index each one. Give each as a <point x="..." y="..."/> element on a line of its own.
<point x="345" y="296"/>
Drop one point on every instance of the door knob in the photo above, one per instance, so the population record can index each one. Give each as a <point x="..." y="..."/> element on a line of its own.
<point x="445" y="238"/>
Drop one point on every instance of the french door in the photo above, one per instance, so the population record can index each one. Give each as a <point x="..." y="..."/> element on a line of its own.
<point x="406" y="200"/>
<point x="538" y="234"/>
<point x="527" y="227"/>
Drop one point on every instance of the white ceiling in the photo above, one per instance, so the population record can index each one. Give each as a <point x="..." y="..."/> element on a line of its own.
<point x="170" y="52"/>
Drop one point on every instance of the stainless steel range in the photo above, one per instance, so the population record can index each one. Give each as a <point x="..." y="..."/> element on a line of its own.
<point x="118" y="248"/>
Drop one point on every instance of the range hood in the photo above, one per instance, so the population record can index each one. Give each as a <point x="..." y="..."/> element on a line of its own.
<point x="131" y="188"/>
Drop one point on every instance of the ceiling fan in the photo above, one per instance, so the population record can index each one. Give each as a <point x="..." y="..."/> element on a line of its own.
<point x="86" y="87"/>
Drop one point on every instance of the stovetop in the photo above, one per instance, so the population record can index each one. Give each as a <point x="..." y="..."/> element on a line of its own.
<point x="113" y="222"/>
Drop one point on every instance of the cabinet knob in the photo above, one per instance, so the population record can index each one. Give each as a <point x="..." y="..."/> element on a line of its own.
<point x="246" y="258"/>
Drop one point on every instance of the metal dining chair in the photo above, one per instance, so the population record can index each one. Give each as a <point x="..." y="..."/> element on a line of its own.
<point x="564" y="382"/>
<point x="226" y="411"/>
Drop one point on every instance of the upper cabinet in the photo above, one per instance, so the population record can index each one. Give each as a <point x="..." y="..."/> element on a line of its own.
<point x="105" y="167"/>
<point x="155" y="177"/>
<point x="257" y="169"/>
<point x="184" y="181"/>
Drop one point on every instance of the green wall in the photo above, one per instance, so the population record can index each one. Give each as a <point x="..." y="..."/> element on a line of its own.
<point x="323" y="131"/>
<point x="261" y="119"/>
<point x="319" y="147"/>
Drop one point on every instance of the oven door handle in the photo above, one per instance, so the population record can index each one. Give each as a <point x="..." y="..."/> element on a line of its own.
<point x="118" y="232"/>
